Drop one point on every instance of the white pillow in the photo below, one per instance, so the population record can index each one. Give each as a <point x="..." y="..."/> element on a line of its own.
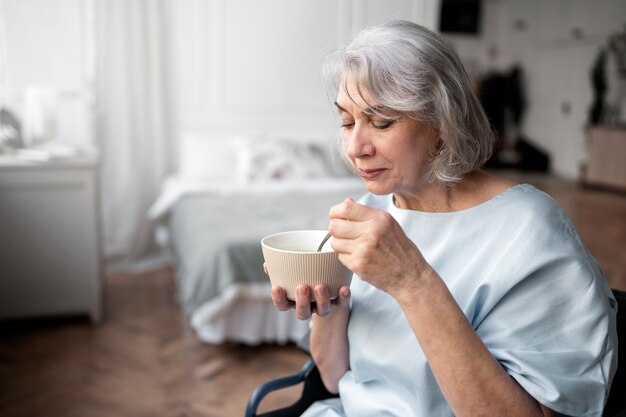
<point x="201" y="157"/>
<point x="281" y="159"/>
<point x="329" y="142"/>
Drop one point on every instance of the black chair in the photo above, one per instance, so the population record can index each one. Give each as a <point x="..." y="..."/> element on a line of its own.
<point x="314" y="390"/>
<point x="616" y="404"/>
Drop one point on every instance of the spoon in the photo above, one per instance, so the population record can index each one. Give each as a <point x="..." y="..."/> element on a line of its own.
<point x="319" y="249"/>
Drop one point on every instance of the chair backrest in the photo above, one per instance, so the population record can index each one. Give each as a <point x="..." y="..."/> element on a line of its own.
<point x="616" y="403"/>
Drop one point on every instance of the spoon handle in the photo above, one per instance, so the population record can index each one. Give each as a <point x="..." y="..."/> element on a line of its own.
<point x="319" y="249"/>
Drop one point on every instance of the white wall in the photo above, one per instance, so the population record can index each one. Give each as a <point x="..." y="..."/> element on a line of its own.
<point x="247" y="66"/>
<point x="46" y="54"/>
<point x="250" y="66"/>
<point x="556" y="42"/>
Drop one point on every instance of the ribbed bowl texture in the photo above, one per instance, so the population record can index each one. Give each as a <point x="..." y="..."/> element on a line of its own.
<point x="292" y="259"/>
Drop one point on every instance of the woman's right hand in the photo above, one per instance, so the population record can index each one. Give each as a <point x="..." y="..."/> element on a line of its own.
<point x="329" y="335"/>
<point x="323" y="305"/>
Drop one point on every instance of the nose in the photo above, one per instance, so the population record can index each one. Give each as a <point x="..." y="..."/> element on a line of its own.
<point x="358" y="143"/>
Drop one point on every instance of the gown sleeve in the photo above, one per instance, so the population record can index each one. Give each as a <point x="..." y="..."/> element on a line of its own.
<point x="553" y="328"/>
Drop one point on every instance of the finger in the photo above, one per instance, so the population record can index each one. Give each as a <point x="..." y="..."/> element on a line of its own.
<point x="343" y="229"/>
<point x="322" y="300"/>
<point x="351" y="210"/>
<point x="279" y="297"/>
<point x="342" y="246"/>
<point x="343" y="297"/>
<point x="265" y="268"/>
<point x="303" y="302"/>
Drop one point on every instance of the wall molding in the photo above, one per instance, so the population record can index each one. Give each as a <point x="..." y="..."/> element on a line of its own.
<point x="218" y="66"/>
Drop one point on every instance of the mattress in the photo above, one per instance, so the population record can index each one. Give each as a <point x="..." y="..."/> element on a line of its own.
<point x="214" y="232"/>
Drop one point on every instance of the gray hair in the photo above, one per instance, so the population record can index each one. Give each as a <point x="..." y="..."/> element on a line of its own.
<point x="408" y="69"/>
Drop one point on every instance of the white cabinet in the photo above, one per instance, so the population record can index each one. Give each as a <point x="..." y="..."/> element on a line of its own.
<point x="49" y="239"/>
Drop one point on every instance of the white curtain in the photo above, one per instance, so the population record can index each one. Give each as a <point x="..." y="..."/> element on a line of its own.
<point x="133" y="121"/>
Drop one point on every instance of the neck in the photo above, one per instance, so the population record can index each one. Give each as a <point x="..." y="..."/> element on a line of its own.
<point x="475" y="188"/>
<point x="434" y="197"/>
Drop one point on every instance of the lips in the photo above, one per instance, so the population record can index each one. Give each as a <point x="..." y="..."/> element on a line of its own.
<point x="371" y="173"/>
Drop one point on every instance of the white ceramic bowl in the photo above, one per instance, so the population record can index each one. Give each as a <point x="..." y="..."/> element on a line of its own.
<point x="292" y="259"/>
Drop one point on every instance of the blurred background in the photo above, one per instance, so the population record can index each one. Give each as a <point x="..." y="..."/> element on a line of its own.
<point x="139" y="141"/>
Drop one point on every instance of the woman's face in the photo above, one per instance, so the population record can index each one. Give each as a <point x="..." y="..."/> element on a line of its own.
<point x="391" y="152"/>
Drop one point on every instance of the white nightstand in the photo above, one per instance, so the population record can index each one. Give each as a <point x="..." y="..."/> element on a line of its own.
<point x="49" y="238"/>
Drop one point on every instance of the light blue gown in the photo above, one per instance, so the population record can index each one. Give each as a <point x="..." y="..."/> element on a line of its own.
<point x="529" y="288"/>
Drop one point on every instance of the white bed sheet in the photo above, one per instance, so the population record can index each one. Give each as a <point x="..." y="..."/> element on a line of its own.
<point x="174" y="188"/>
<point x="242" y="311"/>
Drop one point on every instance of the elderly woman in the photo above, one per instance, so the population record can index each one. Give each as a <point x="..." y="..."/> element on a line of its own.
<point x="472" y="295"/>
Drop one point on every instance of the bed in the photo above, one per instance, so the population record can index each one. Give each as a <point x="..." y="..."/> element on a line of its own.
<point x="213" y="228"/>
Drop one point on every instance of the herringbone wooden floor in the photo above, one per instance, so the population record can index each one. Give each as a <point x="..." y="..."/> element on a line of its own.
<point x="143" y="360"/>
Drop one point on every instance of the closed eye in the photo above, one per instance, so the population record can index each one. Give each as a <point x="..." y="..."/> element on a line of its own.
<point x="384" y="124"/>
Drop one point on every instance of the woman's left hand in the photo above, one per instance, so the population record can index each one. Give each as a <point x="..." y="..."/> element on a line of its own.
<point x="373" y="245"/>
